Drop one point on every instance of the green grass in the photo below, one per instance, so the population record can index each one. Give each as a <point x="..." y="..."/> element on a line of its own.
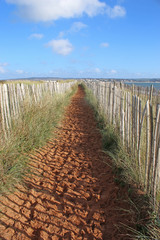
<point x="66" y="81"/>
<point x="112" y="144"/>
<point x="29" y="82"/>
<point x="34" y="127"/>
<point x="126" y="175"/>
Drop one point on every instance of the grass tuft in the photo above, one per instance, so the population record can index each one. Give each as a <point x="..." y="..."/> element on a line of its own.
<point x="110" y="139"/>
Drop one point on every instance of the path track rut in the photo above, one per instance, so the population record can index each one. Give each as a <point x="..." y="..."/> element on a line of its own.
<point x="71" y="193"/>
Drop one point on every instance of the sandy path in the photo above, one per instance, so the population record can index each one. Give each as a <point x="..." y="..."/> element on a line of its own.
<point x="72" y="193"/>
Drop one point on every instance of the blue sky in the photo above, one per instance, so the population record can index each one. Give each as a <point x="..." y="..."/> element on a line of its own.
<point x="80" y="38"/>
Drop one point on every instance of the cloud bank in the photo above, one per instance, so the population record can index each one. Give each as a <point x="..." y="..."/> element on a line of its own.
<point x="49" y="10"/>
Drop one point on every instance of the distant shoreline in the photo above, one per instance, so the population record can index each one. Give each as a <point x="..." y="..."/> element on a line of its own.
<point x="156" y="85"/>
<point x="140" y="82"/>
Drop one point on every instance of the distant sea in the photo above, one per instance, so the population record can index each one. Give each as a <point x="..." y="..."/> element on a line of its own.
<point x="145" y="84"/>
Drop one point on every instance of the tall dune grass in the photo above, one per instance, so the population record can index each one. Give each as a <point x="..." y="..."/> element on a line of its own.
<point x="31" y="130"/>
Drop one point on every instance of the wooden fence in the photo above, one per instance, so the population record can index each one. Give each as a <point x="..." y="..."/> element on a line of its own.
<point x="135" y="113"/>
<point x="13" y="95"/>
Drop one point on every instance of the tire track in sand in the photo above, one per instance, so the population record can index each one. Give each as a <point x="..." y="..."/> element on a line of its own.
<point x="71" y="193"/>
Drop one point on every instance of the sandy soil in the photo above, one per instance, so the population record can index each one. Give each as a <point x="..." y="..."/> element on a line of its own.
<point x="71" y="193"/>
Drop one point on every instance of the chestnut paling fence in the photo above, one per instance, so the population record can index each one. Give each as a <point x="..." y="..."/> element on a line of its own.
<point x="13" y="96"/>
<point x="135" y="112"/>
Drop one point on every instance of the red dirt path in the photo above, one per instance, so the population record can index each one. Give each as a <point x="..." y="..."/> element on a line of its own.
<point x="71" y="193"/>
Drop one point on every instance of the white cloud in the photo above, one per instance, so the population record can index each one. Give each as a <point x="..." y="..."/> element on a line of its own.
<point x="19" y="71"/>
<point x="2" y="67"/>
<point x="36" y="35"/>
<point x="116" y="11"/>
<point x="113" y="71"/>
<point x="49" y="10"/>
<point x="77" y="26"/>
<point x="105" y="44"/>
<point x="61" y="34"/>
<point x="61" y="46"/>
<point x="97" y="70"/>
<point x="4" y="64"/>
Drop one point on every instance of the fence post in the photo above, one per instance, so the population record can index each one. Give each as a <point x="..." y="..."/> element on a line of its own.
<point x="151" y="93"/>
<point x="114" y="104"/>
<point x="156" y="158"/>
